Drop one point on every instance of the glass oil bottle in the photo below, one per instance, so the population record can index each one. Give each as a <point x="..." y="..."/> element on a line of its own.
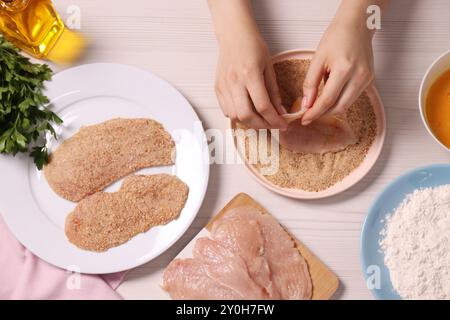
<point x="35" y="27"/>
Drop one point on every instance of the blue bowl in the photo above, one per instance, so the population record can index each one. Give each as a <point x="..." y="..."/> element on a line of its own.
<point x="374" y="270"/>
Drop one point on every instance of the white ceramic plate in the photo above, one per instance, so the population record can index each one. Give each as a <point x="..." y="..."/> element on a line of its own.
<point x="86" y="95"/>
<point x="437" y="68"/>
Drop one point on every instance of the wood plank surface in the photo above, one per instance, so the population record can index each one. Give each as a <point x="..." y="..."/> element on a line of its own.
<point x="175" y="40"/>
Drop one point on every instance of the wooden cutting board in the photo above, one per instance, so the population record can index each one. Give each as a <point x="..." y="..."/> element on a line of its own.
<point x="324" y="281"/>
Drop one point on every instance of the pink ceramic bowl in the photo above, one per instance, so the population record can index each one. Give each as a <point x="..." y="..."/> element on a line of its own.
<point x="356" y="175"/>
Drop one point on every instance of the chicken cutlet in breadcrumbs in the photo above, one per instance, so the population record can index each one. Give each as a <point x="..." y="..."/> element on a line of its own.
<point x="105" y="220"/>
<point x="100" y="154"/>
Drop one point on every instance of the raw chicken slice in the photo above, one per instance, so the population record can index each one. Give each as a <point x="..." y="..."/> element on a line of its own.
<point x="250" y="257"/>
<point x="289" y="270"/>
<point x="244" y="237"/>
<point x="327" y="134"/>
<point x="105" y="220"/>
<point x="186" y="279"/>
<point x="100" y="154"/>
<point x="227" y="268"/>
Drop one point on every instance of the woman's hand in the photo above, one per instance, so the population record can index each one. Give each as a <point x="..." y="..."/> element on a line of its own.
<point x="246" y="84"/>
<point x="344" y="59"/>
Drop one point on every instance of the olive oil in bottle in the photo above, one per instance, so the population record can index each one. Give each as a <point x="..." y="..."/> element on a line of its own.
<point x="35" y="27"/>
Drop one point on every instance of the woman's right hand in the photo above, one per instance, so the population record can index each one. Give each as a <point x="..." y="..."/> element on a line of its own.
<point x="246" y="85"/>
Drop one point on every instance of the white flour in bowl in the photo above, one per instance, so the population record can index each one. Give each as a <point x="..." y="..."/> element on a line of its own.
<point x="416" y="245"/>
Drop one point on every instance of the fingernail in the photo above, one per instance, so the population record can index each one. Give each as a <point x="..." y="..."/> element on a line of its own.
<point x="306" y="122"/>
<point x="304" y="102"/>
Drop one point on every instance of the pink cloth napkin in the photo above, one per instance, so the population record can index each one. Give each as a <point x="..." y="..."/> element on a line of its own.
<point x="25" y="276"/>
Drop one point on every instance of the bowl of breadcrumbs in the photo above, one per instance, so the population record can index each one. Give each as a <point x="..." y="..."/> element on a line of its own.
<point x="315" y="175"/>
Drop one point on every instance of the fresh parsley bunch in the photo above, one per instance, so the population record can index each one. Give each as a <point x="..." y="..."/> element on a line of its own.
<point x="24" y="119"/>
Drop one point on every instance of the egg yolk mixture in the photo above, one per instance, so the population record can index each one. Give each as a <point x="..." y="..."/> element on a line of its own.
<point x="437" y="108"/>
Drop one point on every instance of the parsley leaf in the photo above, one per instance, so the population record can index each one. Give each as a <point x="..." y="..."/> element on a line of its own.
<point x="25" y="120"/>
<point x="40" y="156"/>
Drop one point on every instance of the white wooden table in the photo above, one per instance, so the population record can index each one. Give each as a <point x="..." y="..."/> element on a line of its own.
<point x="175" y="40"/>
